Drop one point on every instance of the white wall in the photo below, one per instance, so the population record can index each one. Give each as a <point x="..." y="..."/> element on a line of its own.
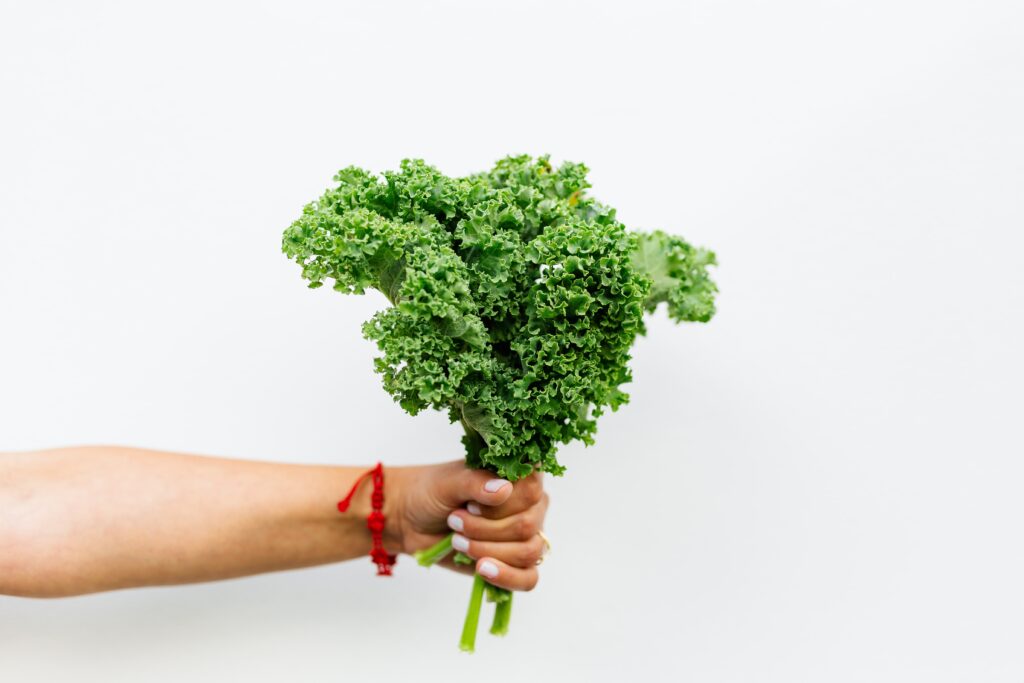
<point x="824" y="484"/>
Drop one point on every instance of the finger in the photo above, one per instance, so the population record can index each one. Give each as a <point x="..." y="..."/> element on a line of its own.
<point x="463" y="484"/>
<point x="518" y="527"/>
<point x="521" y="554"/>
<point x="448" y="561"/>
<point x="526" y="493"/>
<point x="504" y="576"/>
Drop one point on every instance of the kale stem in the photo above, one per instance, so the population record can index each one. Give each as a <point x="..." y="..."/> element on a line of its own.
<point x="474" y="443"/>
<point x="502" y="614"/>
<point x="476" y="598"/>
<point x="434" y="553"/>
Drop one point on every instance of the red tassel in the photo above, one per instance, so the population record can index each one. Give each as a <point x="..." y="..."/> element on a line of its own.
<point x="375" y="520"/>
<point x="347" y="500"/>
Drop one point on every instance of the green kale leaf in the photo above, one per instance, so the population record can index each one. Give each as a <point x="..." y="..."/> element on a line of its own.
<point x="515" y="297"/>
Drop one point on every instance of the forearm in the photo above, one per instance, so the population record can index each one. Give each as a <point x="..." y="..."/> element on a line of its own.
<point x="81" y="520"/>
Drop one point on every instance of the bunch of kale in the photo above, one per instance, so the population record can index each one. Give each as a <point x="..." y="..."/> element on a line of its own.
<point x="515" y="297"/>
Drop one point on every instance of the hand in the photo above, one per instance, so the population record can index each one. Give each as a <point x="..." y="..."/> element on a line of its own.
<point x="496" y="522"/>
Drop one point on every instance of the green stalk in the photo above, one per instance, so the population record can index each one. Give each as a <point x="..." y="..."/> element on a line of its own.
<point x="476" y="598"/>
<point x="502" y="614"/>
<point x="435" y="553"/>
<point x="502" y="598"/>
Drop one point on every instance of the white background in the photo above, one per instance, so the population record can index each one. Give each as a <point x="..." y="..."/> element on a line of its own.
<point x="824" y="484"/>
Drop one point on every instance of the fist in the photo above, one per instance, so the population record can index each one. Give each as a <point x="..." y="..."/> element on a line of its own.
<point x="496" y="522"/>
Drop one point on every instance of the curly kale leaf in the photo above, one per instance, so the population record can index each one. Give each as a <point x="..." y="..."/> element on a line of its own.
<point x="515" y="297"/>
<point x="679" y="275"/>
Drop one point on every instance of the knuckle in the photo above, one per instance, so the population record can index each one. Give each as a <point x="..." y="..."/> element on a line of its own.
<point x="533" y="492"/>
<point x="532" y="552"/>
<point x="525" y="528"/>
<point x="538" y="514"/>
<point x="532" y="578"/>
<point x="524" y="554"/>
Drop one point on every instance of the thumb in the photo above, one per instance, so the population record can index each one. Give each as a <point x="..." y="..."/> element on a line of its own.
<point x="462" y="485"/>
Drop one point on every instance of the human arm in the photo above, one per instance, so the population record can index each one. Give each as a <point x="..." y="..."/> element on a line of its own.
<point x="83" y="520"/>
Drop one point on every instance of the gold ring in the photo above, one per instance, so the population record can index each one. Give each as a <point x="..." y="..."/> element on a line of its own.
<point x="547" y="547"/>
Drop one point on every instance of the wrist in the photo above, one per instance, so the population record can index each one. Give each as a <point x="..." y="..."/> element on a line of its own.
<point x="361" y="503"/>
<point x="395" y="485"/>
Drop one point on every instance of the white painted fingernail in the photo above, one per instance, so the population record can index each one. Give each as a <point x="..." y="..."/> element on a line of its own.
<point x="455" y="522"/>
<point x="473" y="509"/>
<point x="460" y="543"/>
<point x="487" y="568"/>
<point x="495" y="485"/>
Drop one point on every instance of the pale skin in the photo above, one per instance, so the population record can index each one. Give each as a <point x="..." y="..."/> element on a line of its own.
<point x="90" y="519"/>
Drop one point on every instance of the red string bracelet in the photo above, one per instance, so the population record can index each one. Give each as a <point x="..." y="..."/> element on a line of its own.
<point x="375" y="520"/>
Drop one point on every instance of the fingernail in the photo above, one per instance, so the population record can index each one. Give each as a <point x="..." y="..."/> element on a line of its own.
<point x="495" y="485"/>
<point x="455" y="522"/>
<point x="460" y="543"/>
<point x="473" y="509"/>
<point x="486" y="568"/>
